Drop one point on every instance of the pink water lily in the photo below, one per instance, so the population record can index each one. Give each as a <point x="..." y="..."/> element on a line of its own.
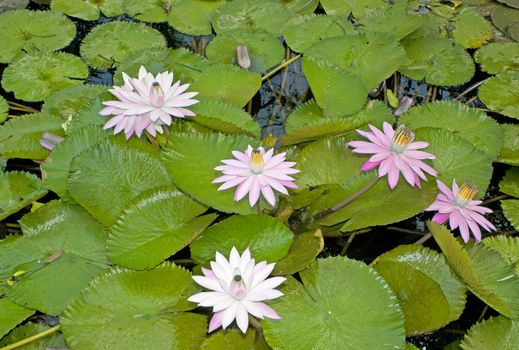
<point x="256" y="172"/>
<point x="239" y="287"/>
<point x="459" y="208"/>
<point x="394" y="152"/>
<point x="147" y="103"/>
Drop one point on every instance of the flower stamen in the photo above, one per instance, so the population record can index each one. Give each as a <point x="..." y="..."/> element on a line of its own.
<point x="467" y="192"/>
<point x="403" y="136"/>
<point x="256" y="162"/>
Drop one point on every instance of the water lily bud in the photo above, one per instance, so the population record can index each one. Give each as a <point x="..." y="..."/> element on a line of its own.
<point x="49" y="140"/>
<point x="404" y="104"/>
<point x="242" y="56"/>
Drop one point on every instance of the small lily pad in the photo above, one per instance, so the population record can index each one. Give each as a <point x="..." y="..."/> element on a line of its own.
<point x="34" y="77"/>
<point x="18" y="190"/>
<point x="25" y="31"/>
<point x="89" y="10"/>
<point x="471" y="30"/>
<point x="110" y="43"/>
<point x="193" y="17"/>
<point x="495" y="333"/>
<point x="498" y="57"/>
<point x="501" y="94"/>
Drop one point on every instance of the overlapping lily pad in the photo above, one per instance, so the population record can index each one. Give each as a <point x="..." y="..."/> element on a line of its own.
<point x="510" y="151"/>
<point x="149" y="10"/>
<point x="510" y="183"/>
<point x="497" y="332"/>
<point x="193" y="17"/>
<point x="25" y="31"/>
<point x="34" y="77"/>
<point x="233" y="339"/>
<point x="499" y="57"/>
<point x="54" y="340"/>
<point x="69" y="101"/>
<point x="4" y="109"/>
<point x="88" y="10"/>
<point x="470" y="29"/>
<point x="110" y="43"/>
<point x="97" y="319"/>
<point x="304" y="250"/>
<point x="507" y="247"/>
<point x="299" y="7"/>
<point x="511" y="211"/>
<point x="501" y="94"/>
<point x="506" y="19"/>
<point x="11" y="314"/>
<point x="18" y="190"/>
<point x="330" y="302"/>
<point x="61" y="251"/>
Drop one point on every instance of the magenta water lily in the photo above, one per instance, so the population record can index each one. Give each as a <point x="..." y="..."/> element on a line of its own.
<point x="239" y="287"/>
<point x="147" y="103"/>
<point x="394" y="152"/>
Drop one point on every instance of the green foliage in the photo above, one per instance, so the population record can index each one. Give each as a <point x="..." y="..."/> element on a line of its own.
<point x="4" y="109"/>
<point x="506" y="19"/>
<point x="330" y="302"/>
<point x="471" y="30"/>
<point x="233" y="339"/>
<point x="336" y="7"/>
<point x="507" y="247"/>
<point x="498" y="57"/>
<point x="303" y="251"/>
<point x="193" y="17"/>
<point x="52" y="341"/>
<point x="510" y="184"/>
<point x="17" y="190"/>
<point x="11" y="315"/>
<point x="148" y="318"/>
<point x="510" y="151"/>
<point x="88" y="9"/>
<point x="511" y="210"/>
<point x="67" y="102"/>
<point x="149" y="10"/>
<point x="299" y="7"/>
<point x="110" y="43"/>
<point x="501" y="94"/>
<point x="36" y="76"/>
<point x="155" y="225"/>
<point x="495" y="333"/>
<point x="61" y="251"/>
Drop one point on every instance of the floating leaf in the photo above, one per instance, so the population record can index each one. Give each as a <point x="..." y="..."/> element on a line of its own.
<point x="34" y="77"/>
<point x="507" y="247"/>
<point x="506" y="19"/>
<point x="98" y="320"/>
<point x="190" y="160"/>
<point x="430" y="296"/>
<point x="498" y="57"/>
<point x="4" y="109"/>
<point x="233" y="339"/>
<point x="227" y="84"/>
<point x="437" y="61"/>
<point x="11" y="315"/>
<point x="88" y="9"/>
<point x="301" y="32"/>
<point x="104" y="178"/>
<point x="304" y="250"/>
<point x="20" y="136"/>
<point x="69" y="101"/>
<point x="359" y="53"/>
<point x="297" y="7"/>
<point x="266" y="237"/>
<point x="483" y="270"/>
<point x="62" y="249"/>
<point x="25" y="31"/>
<point x="330" y="302"/>
<point x="471" y="30"/>
<point x="511" y="210"/>
<point x="149" y="10"/>
<point x="336" y="91"/>
<point x="264" y="48"/>
<point x="18" y="190"/>
<point x="510" y="184"/>
<point x="224" y="117"/>
<point x="155" y="225"/>
<point x="336" y="7"/>
<point x="495" y="333"/>
<point x="193" y="17"/>
<point x="110" y="43"/>
<point x="483" y="132"/>
<point x="184" y="64"/>
<point x="511" y="3"/>
<point x="51" y="341"/>
<point x="510" y="150"/>
<point x="248" y="14"/>
<point x="501" y="94"/>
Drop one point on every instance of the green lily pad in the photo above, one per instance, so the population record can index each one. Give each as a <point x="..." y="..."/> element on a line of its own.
<point x="330" y="302"/>
<point x="495" y="333"/>
<point x="34" y="77"/>
<point x="265" y="50"/>
<point x="437" y="61"/>
<point x="483" y="132"/>
<point x="20" y="136"/>
<point x="336" y="91"/>
<point x="506" y="246"/>
<point x="106" y="177"/>
<point x="155" y="225"/>
<point x="511" y="211"/>
<point x="506" y="19"/>
<point x="193" y="17"/>
<point x="301" y="32"/>
<point x="110" y="43"/>
<point x="471" y="30"/>
<point x="483" y="270"/>
<point x="224" y="117"/>
<point x="61" y="251"/>
<point x="501" y="94"/>
<point x="233" y="339"/>
<point x="336" y="7"/>
<point x="226" y="83"/>
<point x="25" y="31"/>
<point x="69" y="101"/>
<point x="248" y="14"/>
<point x="149" y="318"/>
<point x="149" y="10"/>
<point x="184" y="64"/>
<point x="190" y="160"/>
<point x="359" y="53"/>
<point x="266" y="237"/>
<point x="11" y="315"/>
<point x="428" y="292"/>
<point x="4" y="109"/>
<point x="304" y="250"/>
<point x="89" y="10"/>
<point x="510" y="184"/>
<point x="299" y="7"/>
<point x="54" y="340"/>
<point x="511" y="3"/>
<point x="510" y="150"/>
<point x="498" y="57"/>
<point x="17" y="190"/>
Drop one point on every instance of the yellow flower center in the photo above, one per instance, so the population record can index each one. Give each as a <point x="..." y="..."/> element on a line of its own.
<point x="467" y="192"/>
<point x="403" y="136"/>
<point x="256" y="162"/>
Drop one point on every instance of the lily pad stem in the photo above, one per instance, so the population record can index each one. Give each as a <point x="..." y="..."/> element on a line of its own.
<point x="258" y="208"/>
<point x="280" y="67"/>
<point x="31" y="338"/>
<point x="255" y="323"/>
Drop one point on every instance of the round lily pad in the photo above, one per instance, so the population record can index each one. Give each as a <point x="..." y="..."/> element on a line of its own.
<point x="193" y="17"/>
<point x="317" y="313"/>
<point x="149" y="10"/>
<point x="506" y="19"/>
<point x="110" y="43"/>
<point x="495" y="333"/>
<point x="471" y="30"/>
<point x="34" y="77"/>
<point x="25" y="31"/>
<point x="88" y="10"/>
<point x="265" y="50"/>
<point x="501" y="94"/>
<point x="498" y="57"/>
